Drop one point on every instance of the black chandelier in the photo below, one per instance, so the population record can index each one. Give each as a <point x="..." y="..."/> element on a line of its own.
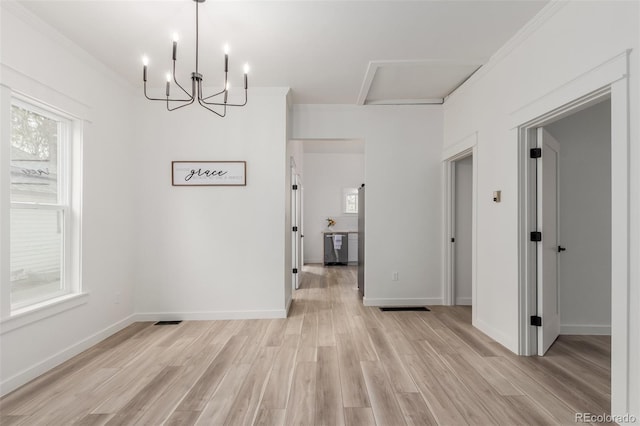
<point x="209" y="102"/>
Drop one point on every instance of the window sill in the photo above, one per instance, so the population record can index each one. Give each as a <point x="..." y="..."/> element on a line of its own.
<point x="25" y="316"/>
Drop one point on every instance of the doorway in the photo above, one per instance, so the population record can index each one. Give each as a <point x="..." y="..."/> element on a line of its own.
<point x="462" y="176"/>
<point x="574" y="215"/>
<point x="460" y="225"/>
<point x="608" y="81"/>
<point x="332" y="170"/>
<point x="569" y="195"/>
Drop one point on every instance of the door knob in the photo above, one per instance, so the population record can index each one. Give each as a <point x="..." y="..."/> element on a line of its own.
<point x="560" y="248"/>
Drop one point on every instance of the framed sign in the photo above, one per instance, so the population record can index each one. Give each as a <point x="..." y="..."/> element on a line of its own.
<point x="208" y="173"/>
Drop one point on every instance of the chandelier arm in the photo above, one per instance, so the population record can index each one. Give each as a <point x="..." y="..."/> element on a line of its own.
<point x="147" y="96"/>
<point x="226" y="81"/>
<point x="178" y="107"/>
<point x="228" y="104"/>
<point x="212" y="110"/>
<point x="214" y="95"/>
<point x="175" y="80"/>
<point x="190" y="100"/>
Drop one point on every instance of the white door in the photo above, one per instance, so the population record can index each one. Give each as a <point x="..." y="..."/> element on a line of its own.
<point x="301" y="221"/>
<point x="298" y="235"/>
<point x="547" y="171"/>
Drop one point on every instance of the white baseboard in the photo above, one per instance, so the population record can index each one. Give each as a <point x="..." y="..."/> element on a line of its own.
<point x="464" y="301"/>
<point x="593" y="330"/>
<point x="368" y="301"/>
<point x="42" y="367"/>
<point x="210" y="316"/>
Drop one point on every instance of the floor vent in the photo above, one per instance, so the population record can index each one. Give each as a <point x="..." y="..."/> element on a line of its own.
<point x="406" y="308"/>
<point x="168" y="322"/>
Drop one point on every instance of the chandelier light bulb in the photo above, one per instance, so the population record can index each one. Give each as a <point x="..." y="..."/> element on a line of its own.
<point x="226" y="58"/>
<point x="174" y="51"/>
<point x="145" y="62"/>
<point x="246" y="68"/>
<point x="168" y="77"/>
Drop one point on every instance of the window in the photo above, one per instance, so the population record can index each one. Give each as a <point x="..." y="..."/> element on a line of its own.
<point x="41" y="214"/>
<point x="350" y="200"/>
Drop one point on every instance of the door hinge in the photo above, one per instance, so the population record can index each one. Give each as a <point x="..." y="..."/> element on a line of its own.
<point x="453" y="240"/>
<point x="536" y="152"/>
<point x="294" y="187"/>
<point x="536" y="321"/>
<point x="536" y="236"/>
<point x="294" y="229"/>
<point x="295" y="270"/>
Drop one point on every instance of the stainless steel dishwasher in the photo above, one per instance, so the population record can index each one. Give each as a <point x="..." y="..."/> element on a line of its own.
<point x="336" y="248"/>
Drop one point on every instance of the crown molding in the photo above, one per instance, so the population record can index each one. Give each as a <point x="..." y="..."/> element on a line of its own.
<point x="21" y="13"/>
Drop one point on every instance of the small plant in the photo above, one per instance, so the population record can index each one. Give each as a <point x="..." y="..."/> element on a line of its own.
<point x="330" y="222"/>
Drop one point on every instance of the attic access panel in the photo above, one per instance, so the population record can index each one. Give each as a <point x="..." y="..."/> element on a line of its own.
<point x="418" y="82"/>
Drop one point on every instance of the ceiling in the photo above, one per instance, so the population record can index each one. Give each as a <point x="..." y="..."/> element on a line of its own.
<point x="328" y="52"/>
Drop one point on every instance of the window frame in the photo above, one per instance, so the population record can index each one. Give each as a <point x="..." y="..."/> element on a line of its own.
<point x="346" y="192"/>
<point x="64" y="205"/>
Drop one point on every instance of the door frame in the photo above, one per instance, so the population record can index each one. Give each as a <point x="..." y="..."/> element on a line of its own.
<point x="608" y="80"/>
<point x="295" y="213"/>
<point x="543" y="137"/>
<point x="462" y="149"/>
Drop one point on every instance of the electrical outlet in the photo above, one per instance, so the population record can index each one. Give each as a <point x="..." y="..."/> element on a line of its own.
<point x="394" y="276"/>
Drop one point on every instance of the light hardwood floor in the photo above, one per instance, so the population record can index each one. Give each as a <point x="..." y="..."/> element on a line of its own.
<point x="331" y="362"/>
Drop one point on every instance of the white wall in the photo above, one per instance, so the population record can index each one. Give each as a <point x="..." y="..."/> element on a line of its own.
<point x="325" y="177"/>
<point x="572" y="39"/>
<point x="56" y="72"/>
<point x="463" y="231"/>
<point x="212" y="252"/>
<point x="585" y="220"/>
<point x="403" y="179"/>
